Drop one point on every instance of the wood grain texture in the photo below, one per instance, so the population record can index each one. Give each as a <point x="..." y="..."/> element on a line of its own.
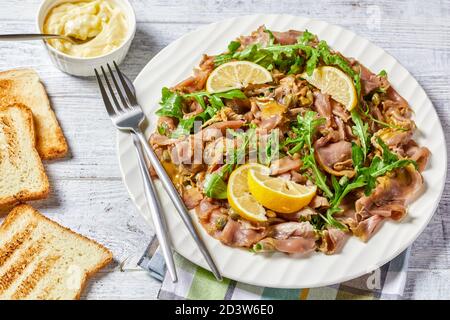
<point x="88" y="195"/>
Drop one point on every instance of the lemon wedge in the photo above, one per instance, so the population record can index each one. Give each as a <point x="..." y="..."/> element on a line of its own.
<point x="239" y="196"/>
<point x="336" y="83"/>
<point x="236" y="75"/>
<point x="278" y="194"/>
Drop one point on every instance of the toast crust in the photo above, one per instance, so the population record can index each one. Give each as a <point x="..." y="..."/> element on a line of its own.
<point x="50" y="145"/>
<point x="39" y="217"/>
<point x="25" y="195"/>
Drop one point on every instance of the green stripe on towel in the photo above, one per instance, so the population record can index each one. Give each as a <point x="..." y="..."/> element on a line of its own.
<point x="205" y="286"/>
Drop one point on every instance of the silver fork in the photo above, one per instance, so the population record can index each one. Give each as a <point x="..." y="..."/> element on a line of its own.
<point x="119" y="115"/>
<point x="128" y="116"/>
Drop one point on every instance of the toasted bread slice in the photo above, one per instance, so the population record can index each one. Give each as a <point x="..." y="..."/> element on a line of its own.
<point x="39" y="259"/>
<point x="23" y="86"/>
<point x="22" y="175"/>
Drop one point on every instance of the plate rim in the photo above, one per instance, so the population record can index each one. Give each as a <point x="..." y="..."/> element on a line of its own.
<point x="389" y="257"/>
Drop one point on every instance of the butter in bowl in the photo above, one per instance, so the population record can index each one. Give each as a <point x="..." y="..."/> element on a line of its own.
<point x="103" y="30"/>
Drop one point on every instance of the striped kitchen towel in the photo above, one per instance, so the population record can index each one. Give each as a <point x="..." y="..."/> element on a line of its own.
<point x="194" y="282"/>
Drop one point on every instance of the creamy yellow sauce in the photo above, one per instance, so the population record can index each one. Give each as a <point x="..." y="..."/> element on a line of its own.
<point x="101" y="23"/>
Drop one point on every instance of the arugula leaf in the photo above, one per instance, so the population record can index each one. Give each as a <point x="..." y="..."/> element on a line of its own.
<point x="383" y="73"/>
<point x="171" y="105"/>
<point x="312" y="62"/>
<point x="357" y="156"/>
<point x="232" y="94"/>
<point x="306" y="37"/>
<point x="296" y="67"/>
<point x="214" y="186"/>
<point x="388" y="156"/>
<point x="361" y="130"/>
<point x="184" y="127"/>
<point x="319" y="177"/>
<point x="233" y="46"/>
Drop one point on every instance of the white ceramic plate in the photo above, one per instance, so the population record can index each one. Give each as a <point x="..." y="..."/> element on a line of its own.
<point x="176" y="62"/>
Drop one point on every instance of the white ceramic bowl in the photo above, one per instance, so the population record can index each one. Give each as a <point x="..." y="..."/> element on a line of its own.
<point x="85" y="66"/>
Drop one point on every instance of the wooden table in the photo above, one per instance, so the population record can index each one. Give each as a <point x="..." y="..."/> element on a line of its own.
<point x="87" y="190"/>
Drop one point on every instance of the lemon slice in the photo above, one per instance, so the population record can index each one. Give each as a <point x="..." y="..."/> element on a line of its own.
<point x="278" y="194"/>
<point x="240" y="198"/>
<point x="336" y="83"/>
<point x="236" y="75"/>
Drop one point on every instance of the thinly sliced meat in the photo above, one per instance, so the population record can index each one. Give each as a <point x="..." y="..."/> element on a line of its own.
<point x="418" y="154"/>
<point x="284" y="165"/>
<point x="393" y="138"/>
<point x="198" y="80"/>
<point x="212" y="216"/>
<point x="257" y="37"/>
<point x="290" y="237"/>
<point x="270" y="123"/>
<point x="340" y="128"/>
<point x="389" y="197"/>
<point x="159" y="140"/>
<point x="239" y="106"/>
<point x="298" y="177"/>
<point x="394" y="96"/>
<point x="371" y="81"/>
<point x="292" y="229"/>
<point x="397" y="111"/>
<point x="323" y="107"/>
<point x="287" y="37"/>
<point x="304" y="213"/>
<point x="215" y="151"/>
<point x="205" y="207"/>
<point x="295" y="245"/>
<point x="366" y="228"/>
<point x="241" y="234"/>
<point x="333" y="240"/>
<point x="223" y="125"/>
<point x="182" y="152"/>
<point x="168" y="123"/>
<point x="192" y="197"/>
<point x="319" y="202"/>
<point x="195" y="109"/>
<point x="335" y="158"/>
<point x="339" y="110"/>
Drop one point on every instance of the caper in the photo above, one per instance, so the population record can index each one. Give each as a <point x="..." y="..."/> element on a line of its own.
<point x="376" y="99"/>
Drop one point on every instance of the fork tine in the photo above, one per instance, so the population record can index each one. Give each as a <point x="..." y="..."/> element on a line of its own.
<point x="106" y="101"/>
<point x="117" y="105"/>
<point x="119" y="89"/>
<point x="128" y="91"/>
